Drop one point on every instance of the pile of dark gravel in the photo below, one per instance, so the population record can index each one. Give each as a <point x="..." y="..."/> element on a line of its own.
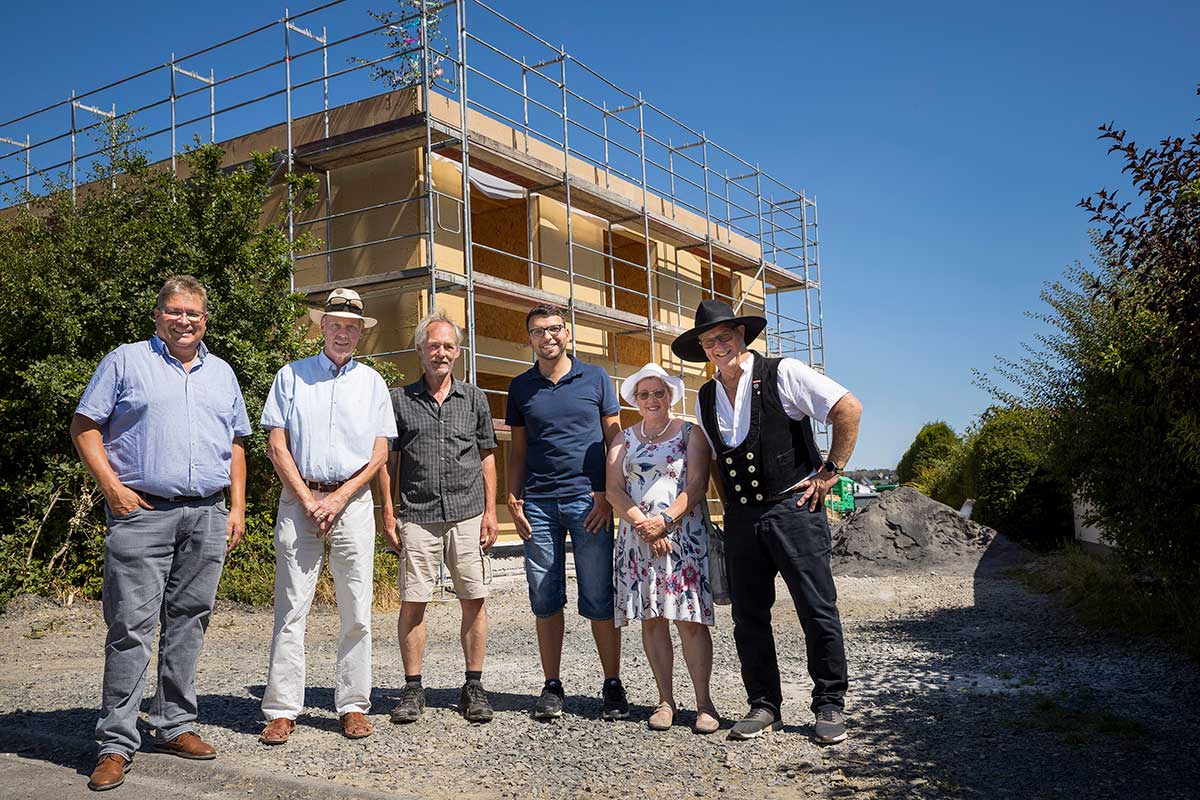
<point x="906" y="531"/>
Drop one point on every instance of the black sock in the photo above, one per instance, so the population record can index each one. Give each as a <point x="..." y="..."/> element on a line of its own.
<point x="554" y="685"/>
<point x="612" y="682"/>
<point x="413" y="680"/>
<point x="474" y="675"/>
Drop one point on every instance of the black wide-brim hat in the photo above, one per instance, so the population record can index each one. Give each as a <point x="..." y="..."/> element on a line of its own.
<point x="710" y="314"/>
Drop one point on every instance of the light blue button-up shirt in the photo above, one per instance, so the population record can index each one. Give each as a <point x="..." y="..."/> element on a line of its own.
<point x="166" y="431"/>
<point x="332" y="416"/>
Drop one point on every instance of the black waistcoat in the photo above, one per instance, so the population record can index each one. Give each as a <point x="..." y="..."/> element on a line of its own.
<point x="778" y="451"/>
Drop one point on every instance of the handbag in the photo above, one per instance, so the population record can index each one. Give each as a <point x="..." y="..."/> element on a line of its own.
<point x="718" y="575"/>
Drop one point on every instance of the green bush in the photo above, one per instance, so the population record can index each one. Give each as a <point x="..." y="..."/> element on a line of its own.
<point x="77" y="279"/>
<point x="934" y="442"/>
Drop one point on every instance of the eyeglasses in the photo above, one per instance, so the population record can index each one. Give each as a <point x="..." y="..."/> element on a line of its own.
<point x="644" y="395"/>
<point x="176" y="313"/>
<point x="713" y="341"/>
<point x="553" y="330"/>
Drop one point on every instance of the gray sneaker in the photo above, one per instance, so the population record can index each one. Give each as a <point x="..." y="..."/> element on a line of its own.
<point x="756" y="722"/>
<point x="412" y="704"/>
<point x="473" y="703"/>
<point x="830" y="727"/>
<point x="549" y="705"/>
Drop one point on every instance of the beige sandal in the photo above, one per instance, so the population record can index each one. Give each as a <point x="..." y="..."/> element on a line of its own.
<point x="662" y="717"/>
<point x="707" y="721"/>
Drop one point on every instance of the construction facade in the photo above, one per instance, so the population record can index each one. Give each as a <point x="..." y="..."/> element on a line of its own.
<point x="468" y="165"/>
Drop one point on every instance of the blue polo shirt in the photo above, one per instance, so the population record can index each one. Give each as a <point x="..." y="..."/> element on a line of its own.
<point x="566" y="453"/>
<point x="166" y="431"/>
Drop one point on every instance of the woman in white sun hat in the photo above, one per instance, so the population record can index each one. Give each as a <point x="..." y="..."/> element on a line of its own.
<point x="657" y="481"/>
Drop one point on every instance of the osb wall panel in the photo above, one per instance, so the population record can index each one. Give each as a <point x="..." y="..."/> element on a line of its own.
<point x="589" y="266"/>
<point x="628" y="349"/>
<point x="505" y="228"/>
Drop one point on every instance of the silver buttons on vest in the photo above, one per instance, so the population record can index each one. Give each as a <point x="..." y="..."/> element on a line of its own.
<point x="750" y="468"/>
<point x="744" y="501"/>
<point x="733" y="473"/>
<point x="758" y="497"/>
<point x="754" y="483"/>
<point x="728" y="460"/>
<point x="737" y="487"/>
<point x="749" y="456"/>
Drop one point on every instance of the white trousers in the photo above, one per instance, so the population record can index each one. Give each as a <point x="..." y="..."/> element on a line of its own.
<point x="299" y="551"/>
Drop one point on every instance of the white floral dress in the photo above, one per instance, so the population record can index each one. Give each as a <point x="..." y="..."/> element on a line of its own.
<point x="672" y="586"/>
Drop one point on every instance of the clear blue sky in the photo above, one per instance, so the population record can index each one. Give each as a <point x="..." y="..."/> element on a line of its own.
<point x="946" y="143"/>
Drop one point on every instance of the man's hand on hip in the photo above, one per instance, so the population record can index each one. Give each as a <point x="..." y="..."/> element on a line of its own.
<point x="235" y="527"/>
<point x="123" y="501"/>
<point x="815" y="489"/>
<point x="600" y="517"/>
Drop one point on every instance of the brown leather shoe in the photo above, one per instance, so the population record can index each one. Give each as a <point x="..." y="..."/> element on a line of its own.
<point x="109" y="772"/>
<point x="187" y="745"/>
<point x="355" y="725"/>
<point x="277" y="731"/>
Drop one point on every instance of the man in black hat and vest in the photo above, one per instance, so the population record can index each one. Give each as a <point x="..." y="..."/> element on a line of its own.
<point x="773" y="481"/>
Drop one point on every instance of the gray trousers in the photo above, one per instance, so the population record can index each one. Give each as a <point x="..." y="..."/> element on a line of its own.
<point x="161" y="566"/>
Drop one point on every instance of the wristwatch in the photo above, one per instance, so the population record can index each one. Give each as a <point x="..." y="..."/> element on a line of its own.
<point x="831" y="467"/>
<point x="667" y="518"/>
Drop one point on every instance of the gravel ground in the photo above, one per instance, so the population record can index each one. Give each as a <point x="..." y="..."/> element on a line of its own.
<point x="962" y="685"/>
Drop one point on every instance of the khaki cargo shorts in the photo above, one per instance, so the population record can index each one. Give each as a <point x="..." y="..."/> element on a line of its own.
<point x="426" y="546"/>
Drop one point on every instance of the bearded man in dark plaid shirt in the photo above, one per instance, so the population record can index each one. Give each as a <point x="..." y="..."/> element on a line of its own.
<point x="444" y="464"/>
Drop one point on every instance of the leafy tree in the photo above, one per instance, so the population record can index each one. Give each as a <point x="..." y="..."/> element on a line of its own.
<point x="1119" y="371"/>
<point x="933" y="442"/>
<point x="77" y="280"/>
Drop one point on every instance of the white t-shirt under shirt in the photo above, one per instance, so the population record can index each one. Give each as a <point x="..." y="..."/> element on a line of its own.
<point x="803" y="391"/>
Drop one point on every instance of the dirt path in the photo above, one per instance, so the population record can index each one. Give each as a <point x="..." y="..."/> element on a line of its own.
<point x="961" y="686"/>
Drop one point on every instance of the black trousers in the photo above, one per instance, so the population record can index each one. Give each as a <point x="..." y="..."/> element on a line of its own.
<point x="781" y="539"/>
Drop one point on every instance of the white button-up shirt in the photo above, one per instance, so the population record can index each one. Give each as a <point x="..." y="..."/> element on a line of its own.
<point x="803" y="391"/>
<point x="332" y="416"/>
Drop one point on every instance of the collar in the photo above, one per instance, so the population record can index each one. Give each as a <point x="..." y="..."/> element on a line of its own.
<point x="329" y="367"/>
<point x="160" y="347"/>
<point x="419" y="387"/>
<point x="575" y="371"/>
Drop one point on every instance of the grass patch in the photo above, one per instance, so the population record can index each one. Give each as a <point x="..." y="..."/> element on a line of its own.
<point x="1077" y="726"/>
<point x="1103" y="594"/>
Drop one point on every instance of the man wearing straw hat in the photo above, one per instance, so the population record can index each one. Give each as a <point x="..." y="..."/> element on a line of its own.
<point x="773" y="481"/>
<point x="329" y="420"/>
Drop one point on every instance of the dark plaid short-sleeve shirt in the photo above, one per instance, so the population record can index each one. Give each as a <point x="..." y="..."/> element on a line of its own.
<point x="440" y="472"/>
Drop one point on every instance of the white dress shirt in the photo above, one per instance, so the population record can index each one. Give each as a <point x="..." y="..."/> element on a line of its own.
<point x="332" y="416"/>
<point x="803" y="391"/>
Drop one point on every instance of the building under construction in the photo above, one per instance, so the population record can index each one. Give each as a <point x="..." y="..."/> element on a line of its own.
<point x="467" y="164"/>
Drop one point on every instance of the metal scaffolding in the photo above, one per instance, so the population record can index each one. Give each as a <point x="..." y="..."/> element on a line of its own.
<point x="466" y="62"/>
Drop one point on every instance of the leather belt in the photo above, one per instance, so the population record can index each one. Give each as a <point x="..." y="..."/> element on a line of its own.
<point x="179" y="498"/>
<point x="328" y="486"/>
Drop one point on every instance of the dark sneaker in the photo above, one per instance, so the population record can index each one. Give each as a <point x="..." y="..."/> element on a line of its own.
<point x="412" y="704"/>
<point x="830" y="727"/>
<point x="616" y="704"/>
<point x="756" y="722"/>
<point x="473" y="703"/>
<point x="550" y="704"/>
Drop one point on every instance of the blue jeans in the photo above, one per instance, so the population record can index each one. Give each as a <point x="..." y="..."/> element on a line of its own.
<point x="546" y="554"/>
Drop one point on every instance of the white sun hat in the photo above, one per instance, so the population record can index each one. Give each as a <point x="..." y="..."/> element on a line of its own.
<point x="343" y="303"/>
<point x="652" y="370"/>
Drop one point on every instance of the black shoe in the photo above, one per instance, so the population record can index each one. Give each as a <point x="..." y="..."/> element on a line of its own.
<point x="412" y="704"/>
<point x="473" y="703"/>
<point x="756" y="722"/>
<point x="616" y="705"/>
<point x="550" y="704"/>
<point x="830" y="727"/>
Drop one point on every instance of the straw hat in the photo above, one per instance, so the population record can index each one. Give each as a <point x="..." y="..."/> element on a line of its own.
<point x="652" y="370"/>
<point x="343" y="303"/>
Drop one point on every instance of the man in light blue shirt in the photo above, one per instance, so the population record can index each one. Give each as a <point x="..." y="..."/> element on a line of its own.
<point x="329" y="419"/>
<point x="159" y="427"/>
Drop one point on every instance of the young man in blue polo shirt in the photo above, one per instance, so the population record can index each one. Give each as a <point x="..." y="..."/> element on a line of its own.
<point x="563" y="413"/>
